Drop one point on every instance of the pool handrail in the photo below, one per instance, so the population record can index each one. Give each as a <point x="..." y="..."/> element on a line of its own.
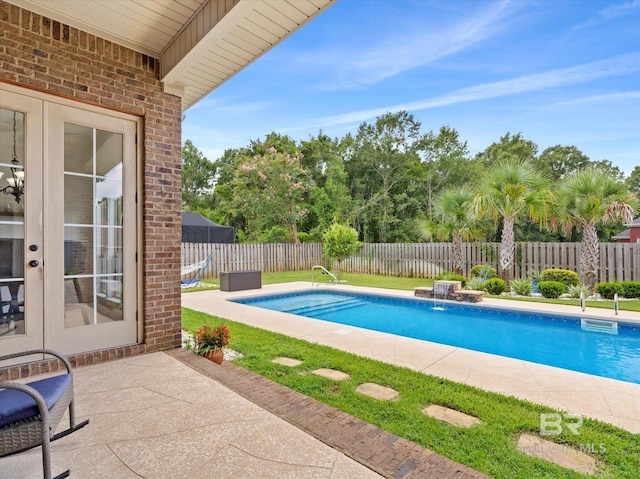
<point x="325" y="271"/>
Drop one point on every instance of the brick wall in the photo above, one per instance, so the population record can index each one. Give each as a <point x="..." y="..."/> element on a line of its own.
<point x="39" y="53"/>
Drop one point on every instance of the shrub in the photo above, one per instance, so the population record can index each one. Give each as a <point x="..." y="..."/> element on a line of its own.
<point x="475" y="283"/>
<point x="495" y="286"/>
<point x="631" y="289"/>
<point x="608" y="290"/>
<point x="304" y="237"/>
<point x="551" y="289"/>
<point x="451" y="276"/>
<point x="339" y="242"/>
<point x="564" y="276"/>
<point x="483" y="271"/>
<point x="534" y="274"/>
<point x="574" y="291"/>
<point x="522" y="286"/>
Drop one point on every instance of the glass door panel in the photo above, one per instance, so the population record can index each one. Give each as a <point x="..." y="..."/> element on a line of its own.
<point x="11" y="223"/>
<point x="21" y="327"/>
<point x="96" y="152"/>
<point x="93" y="160"/>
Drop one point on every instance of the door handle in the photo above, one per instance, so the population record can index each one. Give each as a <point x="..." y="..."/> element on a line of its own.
<point x="34" y="262"/>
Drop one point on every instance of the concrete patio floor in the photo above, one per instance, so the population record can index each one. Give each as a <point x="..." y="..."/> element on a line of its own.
<point x="609" y="400"/>
<point x="152" y="416"/>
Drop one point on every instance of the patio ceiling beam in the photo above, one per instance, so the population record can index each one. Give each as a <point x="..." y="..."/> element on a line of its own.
<point x="225" y="36"/>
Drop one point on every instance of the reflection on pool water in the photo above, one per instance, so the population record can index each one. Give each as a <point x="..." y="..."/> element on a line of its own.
<point x="580" y="344"/>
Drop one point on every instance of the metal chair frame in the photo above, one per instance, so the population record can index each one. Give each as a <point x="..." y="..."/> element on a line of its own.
<point x="38" y="430"/>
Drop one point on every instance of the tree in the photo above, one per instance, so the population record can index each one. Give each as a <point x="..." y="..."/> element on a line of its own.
<point x="453" y="219"/>
<point x="331" y="202"/>
<point x="270" y="189"/>
<point x="444" y="160"/>
<point x="633" y="182"/>
<point x="610" y="169"/>
<point x="586" y="198"/>
<point x="381" y="162"/>
<point x="560" y="161"/>
<point x="511" y="188"/>
<point x="197" y="176"/>
<point x="509" y="147"/>
<point x="339" y="242"/>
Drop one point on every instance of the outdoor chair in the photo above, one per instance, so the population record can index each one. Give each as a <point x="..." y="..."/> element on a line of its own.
<point x="196" y="271"/>
<point x="30" y="413"/>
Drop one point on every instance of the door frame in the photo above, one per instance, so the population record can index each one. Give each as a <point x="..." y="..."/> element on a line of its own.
<point x="38" y="153"/>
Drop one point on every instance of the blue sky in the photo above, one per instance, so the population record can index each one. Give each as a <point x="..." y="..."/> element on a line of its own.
<point x="557" y="71"/>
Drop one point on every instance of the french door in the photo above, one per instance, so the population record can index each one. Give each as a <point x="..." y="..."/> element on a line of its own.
<point x="68" y="222"/>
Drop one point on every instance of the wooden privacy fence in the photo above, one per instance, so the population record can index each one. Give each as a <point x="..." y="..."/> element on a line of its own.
<point x="618" y="261"/>
<point x="267" y="257"/>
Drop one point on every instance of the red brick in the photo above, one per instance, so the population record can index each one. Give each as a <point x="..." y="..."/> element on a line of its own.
<point x="45" y="54"/>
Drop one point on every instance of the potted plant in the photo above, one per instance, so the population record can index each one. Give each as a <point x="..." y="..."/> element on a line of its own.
<point x="534" y="275"/>
<point x="209" y="341"/>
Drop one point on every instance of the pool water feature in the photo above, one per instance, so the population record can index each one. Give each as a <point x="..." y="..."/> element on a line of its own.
<point x="554" y="340"/>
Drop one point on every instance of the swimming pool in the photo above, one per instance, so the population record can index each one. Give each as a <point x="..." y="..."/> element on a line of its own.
<point x="602" y="348"/>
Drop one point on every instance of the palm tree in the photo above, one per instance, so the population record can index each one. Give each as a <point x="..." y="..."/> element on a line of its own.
<point x="585" y="198"/>
<point x="509" y="189"/>
<point x="452" y="219"/>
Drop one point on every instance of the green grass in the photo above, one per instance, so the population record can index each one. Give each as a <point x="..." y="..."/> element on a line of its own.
<point x="353" y="279"/>
<point x="489" y="447"/>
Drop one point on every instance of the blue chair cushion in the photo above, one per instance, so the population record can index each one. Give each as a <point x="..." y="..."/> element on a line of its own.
<point x="16" y="405"/>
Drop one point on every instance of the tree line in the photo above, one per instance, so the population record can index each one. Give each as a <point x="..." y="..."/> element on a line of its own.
<point x="390" y="182"/>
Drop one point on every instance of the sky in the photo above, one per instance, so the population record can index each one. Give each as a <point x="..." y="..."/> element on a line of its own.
<point x="559" y="72"/>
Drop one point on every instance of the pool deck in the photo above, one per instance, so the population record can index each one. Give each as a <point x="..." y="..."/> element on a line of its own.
<point x="609" y="400"/>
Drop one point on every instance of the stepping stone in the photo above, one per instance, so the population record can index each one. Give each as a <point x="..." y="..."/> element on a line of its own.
<point x="451" y="416"/>
<point x="331" y="374"/>
<point x="377" y="392"/>
<point x="287" y="362"/>
<point x="559" y="454"/>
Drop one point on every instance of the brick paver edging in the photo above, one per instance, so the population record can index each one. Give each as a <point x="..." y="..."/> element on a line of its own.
<point x="388" y="455"/>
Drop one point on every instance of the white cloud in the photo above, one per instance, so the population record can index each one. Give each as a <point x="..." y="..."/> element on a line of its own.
<point x="605" y="98"/>
<point x="616" y="66"/>
<point x="609" y="13"/>
<point x="412" y="45"/>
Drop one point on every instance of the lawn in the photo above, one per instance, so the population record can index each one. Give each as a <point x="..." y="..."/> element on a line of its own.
<point x="489" y="447"/>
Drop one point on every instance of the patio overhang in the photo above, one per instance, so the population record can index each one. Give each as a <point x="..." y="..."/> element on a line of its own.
<point x="200" y="43"/>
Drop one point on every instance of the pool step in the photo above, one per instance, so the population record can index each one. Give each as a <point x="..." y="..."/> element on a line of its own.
<point x="338" y="305"/>
<point x="599" y="325"/>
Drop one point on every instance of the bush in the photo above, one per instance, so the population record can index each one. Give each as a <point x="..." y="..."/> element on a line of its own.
<point x="608" y="290"/>
<point x="574" y="291"/>
<point x="564" y="276"/>
<point x="483" y="271"/>
<point x="534" y="275"/>
<point x="631" y="289"/>
<point x="522" y="287"/>
<point x="304" y="237"/>
<point x="475" y="283"/>
<point x="451" y="276"/>
<point x="551" y="289"/>
<point x="495" y="286"/>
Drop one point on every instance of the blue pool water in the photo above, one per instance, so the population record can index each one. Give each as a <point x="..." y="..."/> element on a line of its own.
<point x="543" y="338"/>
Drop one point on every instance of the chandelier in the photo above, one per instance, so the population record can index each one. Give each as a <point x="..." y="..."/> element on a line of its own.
<point x="16" y="182"/>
